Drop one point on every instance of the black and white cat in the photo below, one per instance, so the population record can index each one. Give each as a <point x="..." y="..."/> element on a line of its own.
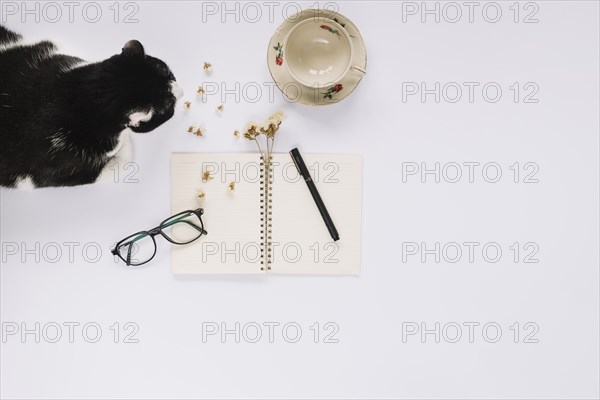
<point x="62" y="120"/>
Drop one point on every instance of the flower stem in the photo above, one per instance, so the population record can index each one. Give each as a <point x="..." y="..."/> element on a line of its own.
<point x="259" y="149"/>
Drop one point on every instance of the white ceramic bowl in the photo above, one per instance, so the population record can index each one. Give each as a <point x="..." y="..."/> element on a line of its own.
<point x="318" y="52"/>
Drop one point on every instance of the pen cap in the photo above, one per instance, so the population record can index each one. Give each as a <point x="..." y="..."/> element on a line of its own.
<point x="300" y="165"/>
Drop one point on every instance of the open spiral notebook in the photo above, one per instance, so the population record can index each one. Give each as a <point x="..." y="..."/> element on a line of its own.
<point x="268" y="222"/>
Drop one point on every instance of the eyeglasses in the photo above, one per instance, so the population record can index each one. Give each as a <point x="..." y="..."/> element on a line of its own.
<point x="182" y="228"/>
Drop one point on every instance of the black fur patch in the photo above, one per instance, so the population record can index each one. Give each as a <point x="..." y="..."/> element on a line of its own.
<point x="59" y="117"/>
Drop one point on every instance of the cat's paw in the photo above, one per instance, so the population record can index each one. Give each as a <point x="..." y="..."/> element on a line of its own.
<point x="25" y="183"/>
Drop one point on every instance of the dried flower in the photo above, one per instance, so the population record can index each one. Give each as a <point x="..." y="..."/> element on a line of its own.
<point x="220" y="107"/>
<point x="276" y="118"/>
<point x="200" y="90"/>
<point x="206" y="176"/>
<point x="208" y="67"/>
<point x="196" y="130"/>
<point x="201" y="195"/>
<point x="251" y="130"/>
<point x="236" y="133"/>
<point x="187" y="104"/>
<point x="272" y="125"/>
<point x="232" y="185"/>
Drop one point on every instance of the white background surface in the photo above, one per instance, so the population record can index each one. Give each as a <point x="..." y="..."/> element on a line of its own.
<point x="559" y="213"/>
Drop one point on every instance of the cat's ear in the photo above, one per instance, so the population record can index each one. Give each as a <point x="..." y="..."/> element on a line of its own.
<point x="133" y="48"/>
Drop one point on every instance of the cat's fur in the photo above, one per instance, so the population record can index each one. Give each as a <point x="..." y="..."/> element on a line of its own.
<point x="63" y="120"/>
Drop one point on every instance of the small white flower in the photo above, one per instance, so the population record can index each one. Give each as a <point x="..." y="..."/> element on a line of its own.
<point x="276" y="118"/>
<point x="200" y="131"/>
<point x="206" y="176"/>
<point x="264" y="126"/>
<point x="250" y="125"/>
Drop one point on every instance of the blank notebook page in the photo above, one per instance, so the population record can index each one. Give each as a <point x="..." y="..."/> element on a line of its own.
<point x="231" y="217"/>
<point x="301" y="243"/>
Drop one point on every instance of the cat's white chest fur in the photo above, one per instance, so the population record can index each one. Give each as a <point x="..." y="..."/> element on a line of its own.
<point x="119" y="156"/>
<point x="124" y="143"/>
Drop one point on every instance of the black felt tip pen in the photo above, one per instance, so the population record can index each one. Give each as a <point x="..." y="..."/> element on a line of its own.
<point x="304" y="173"/>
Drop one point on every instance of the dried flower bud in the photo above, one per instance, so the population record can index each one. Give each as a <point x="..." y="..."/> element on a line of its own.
<point x="187" y="104"/>
<point x="276" y="118"/>
<point x="236" y="133"/>
<point x="251" y="131"/>
<point x="191" y="129"/>
<point x="232" y="185"/>
<point x="268" y="130"/>
<point x="206" y="176"/>
<point x="200" y="90"/>
<point x="250" y="135"/>
<point x="199" y="131"/>
<point x="272" y="125"/>
<point x="207" y="67"/>
<point x="220" y="107"/>
<point x="201" y="195"/>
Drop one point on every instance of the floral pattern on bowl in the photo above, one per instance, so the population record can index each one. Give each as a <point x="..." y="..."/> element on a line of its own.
<point x="330" y="29"/>
<point x="332" y="91"/>
<point x="279" y="57"/>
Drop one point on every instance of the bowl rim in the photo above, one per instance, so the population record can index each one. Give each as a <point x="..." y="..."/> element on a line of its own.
<point x="340" y="29"/>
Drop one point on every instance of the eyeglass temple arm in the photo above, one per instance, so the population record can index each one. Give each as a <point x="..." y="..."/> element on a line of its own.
<point x="115" y="251"/>
<point x="182" y="219"/>
<point x="128" y="261"/>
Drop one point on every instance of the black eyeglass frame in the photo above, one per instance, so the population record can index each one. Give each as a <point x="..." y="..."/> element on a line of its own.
<point x="159" y="230"/>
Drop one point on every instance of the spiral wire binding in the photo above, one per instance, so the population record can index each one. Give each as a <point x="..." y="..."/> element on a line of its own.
<point x="266" y="213"/>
